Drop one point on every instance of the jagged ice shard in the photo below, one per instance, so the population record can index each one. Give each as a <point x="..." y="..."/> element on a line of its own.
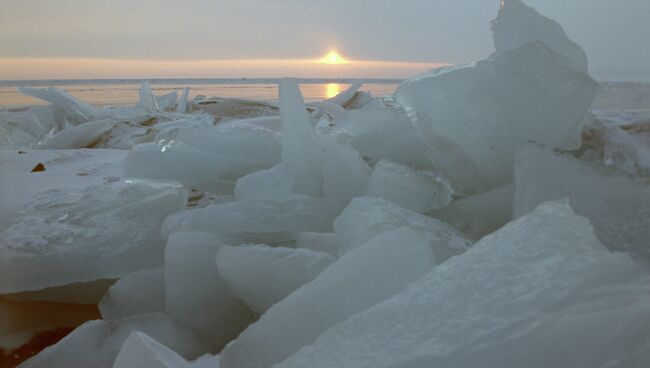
<point x="301" y="152"/>
<point x="541" y="292"/>
<point x="475" y="116"/>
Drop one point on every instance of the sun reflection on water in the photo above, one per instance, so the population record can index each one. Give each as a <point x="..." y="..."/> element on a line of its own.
<point x="333" y="89"/>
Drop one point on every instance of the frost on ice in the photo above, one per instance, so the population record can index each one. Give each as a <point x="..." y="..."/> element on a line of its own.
<point x="101" y="231"/>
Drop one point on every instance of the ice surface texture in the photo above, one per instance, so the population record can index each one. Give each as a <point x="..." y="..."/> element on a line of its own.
<point x="73" y="235"/>
<point x="617" y="206"/>
<point x="195" y="293"/>
<point x="475" y="116"/>
<point x="367" y="217"/>
<point x="540" y="292"/>
<point x="137" y="293"/>
<point x="363" y="277"/>
<point x="258" y="220"/>
<point x="97" y="343"/>
<point x="262" y="276"/>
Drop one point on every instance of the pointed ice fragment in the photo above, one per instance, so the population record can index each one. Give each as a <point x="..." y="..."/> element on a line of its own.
<point x="301" y="153"/>
<point x="148" y="100"/>
<point x="140" y="350"/>
<point x="76" y="111"/>
<point x="518" y="24"/>
<point x="181" y="106"/>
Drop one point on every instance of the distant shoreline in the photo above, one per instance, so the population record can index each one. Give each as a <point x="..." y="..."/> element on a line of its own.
<point x="190" y="81"/>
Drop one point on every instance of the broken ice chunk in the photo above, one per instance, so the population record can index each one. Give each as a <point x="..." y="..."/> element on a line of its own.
<point x="140" y="350"/>
<point x="345" y="174"/>
<point x="148" y="100"/>
<point x="419" y="191"/>
<point x="480" y="214"/>
<point x="74" y="235"/>
<point x="137" y="293"/>
<point x="363" y="277"/>
<point x="301" y="154"/>
<point x="367" y="217"/>
<point x="617" y="206"/>
<point x="97" y="343"/>
<point x="320" y="242"/>
<point x="270" y="183"/>
<point x="269" y="221"/>
<point x="76" y="111"/>
<point x="518" y="24"/>
<point x="181" y="106"/>
<point x="86" y="135"/>
<point x="475" y="116"/>
<point x="541" y="292"/>
<point x="196" y="295"/>
<point x="346" y="96"/>
<point x="262" y="276"/>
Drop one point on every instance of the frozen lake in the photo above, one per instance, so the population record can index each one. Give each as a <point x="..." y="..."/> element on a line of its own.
<point x="124" y="92"/>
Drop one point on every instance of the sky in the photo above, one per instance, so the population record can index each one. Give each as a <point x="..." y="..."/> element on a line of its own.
<point x="56" y="39"/>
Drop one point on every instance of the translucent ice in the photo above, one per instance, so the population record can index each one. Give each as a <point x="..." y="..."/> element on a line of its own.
<point x="367" y="217"/>
<point x="301" y="153"/>
<point x="196" y="295"/>
<point x="360" y="279"/>
<point x="474" y="116"/>
<point x="86" y="135"/>
<point x="518" y="24"/>
<point x="268" y="221"/>
<point x="480" y="214"/>
<point x="541" y="292"/>
<point x="345" y="174"/>
<point x="269" y="183"/>
<point x="320" y="242"/>
<point x="262" y="276"/>
<point x="419" y="191"/>
<point x="206" y="158"/>
<point x="617" y="206"/>
<point x="100" y="231"/>
<point x="76" y="111"/>
<point x="97" y="343"/>
<point x="137" y="293"/>
<point x="140" y="350"/>
<point x="148" y="100"/>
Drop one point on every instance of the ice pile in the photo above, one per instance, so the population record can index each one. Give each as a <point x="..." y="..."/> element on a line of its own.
<point x="466" y="223"/>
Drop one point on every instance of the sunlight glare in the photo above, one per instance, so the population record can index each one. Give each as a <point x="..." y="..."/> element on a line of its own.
<point x="333" y="58"/>
<point x="333" y="89"/>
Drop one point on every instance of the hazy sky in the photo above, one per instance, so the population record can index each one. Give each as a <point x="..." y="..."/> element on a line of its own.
<point x="160" y="36"/>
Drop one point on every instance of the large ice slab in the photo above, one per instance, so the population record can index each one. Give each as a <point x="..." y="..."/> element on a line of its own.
<point x="196" y="294"/>
<point x="419" y="191"/>
<point x="360" y="279"/>
<point x="63" y="169"/>
<point x="617" y="206"/>
<point x="86" y="135"/>
<point x="97" y="343"/>
<point x="74" y="235"/>
<point x="367" y="217"/>
<point x="541" y="292"/>
<point x="269" y="183"/>
<point x="262" y="276"/>
<point x="518" y="24"/>
<point x="206" y="158"/>
<point x="378" y="133"/>
<point x="258" y="220"/>
<point x="301" y="153"/>
<point x="137" y="293"/>
<point x="475" y="116"/>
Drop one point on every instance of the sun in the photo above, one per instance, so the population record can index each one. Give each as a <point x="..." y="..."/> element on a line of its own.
<point x="333" y="58"/>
